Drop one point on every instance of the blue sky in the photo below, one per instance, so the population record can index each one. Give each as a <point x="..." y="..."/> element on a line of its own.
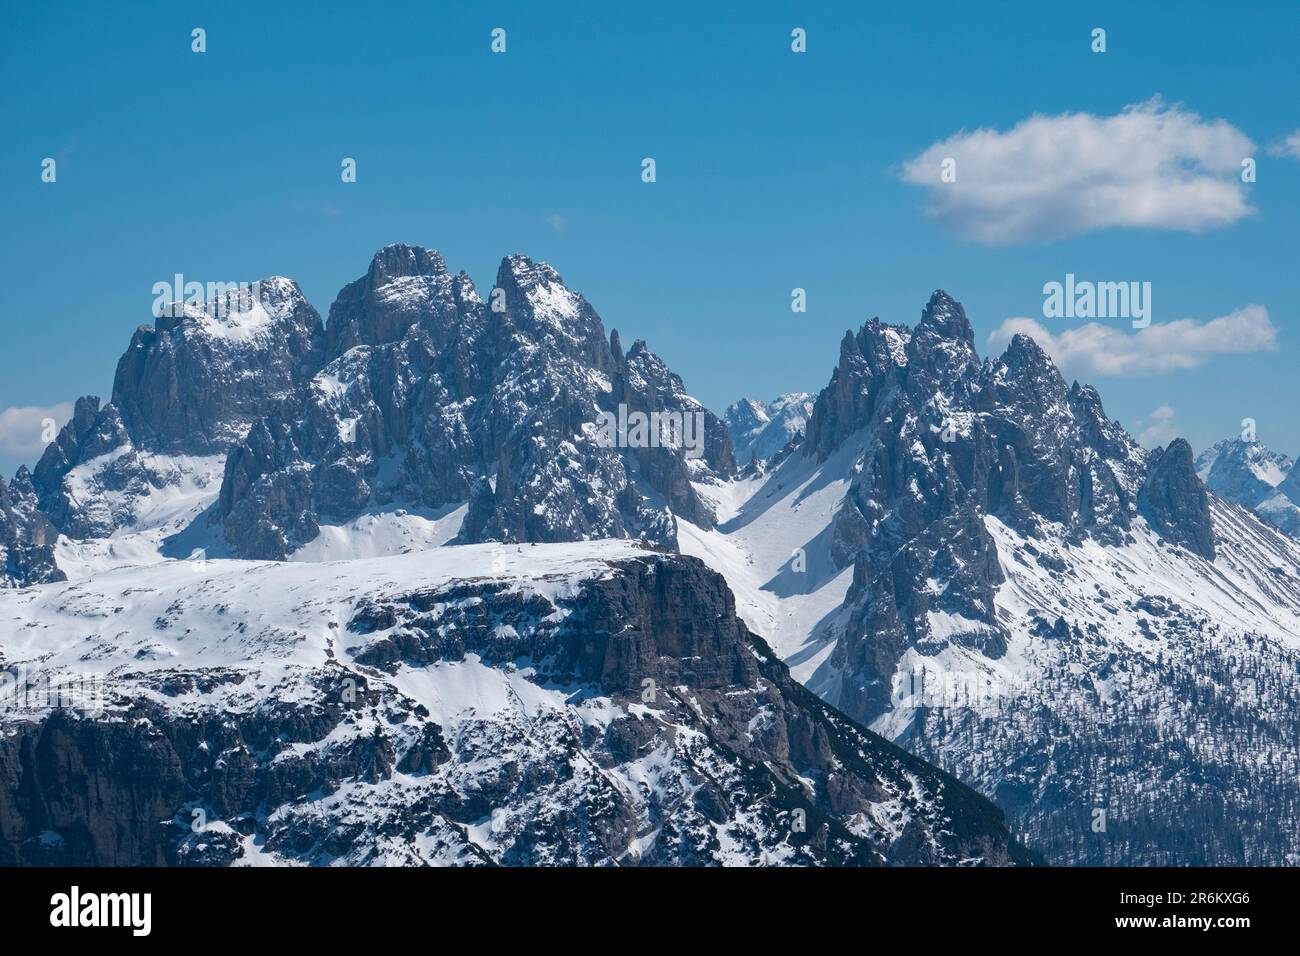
<point x="775" y="170"/>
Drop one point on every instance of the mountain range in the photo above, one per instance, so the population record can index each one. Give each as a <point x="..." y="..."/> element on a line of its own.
<point x="374" y="590"/>
<point x="1247" y="472"/>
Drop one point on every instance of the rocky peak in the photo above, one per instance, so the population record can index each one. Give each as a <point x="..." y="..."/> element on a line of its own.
<point x="187" y="389"/>
<point x="941" y="351"/>
<point x="194" y="383"/>
<point x="405" y="286"/>
<point x="1255" y="477"/>
<point x="22" y="486"/>
<point x="644" y="382"/>
<point x="93" y="476"/>
<point x="1026" y="379"/>
<point x="90" y="432"/>
<point x="947" y="441"/>
<point x="462" y="287"/>
<point x="1174" y="501"/>
<point x="539" y="305"/>
<point x="1121" y="452"/>
<point x="870" y="363"/>
<point x="745" y="415"/>
<point x="399" y="261"/>
<point x="451" y="401"/>
<point x="849" y="349"/>
<point x="944" y="318"/>
<point x="522" y="273"/>
<point x="26" y="536"/>
<point x="1024" y="358"/>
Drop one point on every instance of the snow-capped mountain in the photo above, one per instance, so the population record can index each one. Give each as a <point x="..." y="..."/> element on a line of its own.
<point x="964" y="553"/>
<point x="595" y="703"/>
<point x="386" y="697"/>
<point x="970" y="556"/>
<point x="760" y="431"/>
<point x="1248" y="473"/>
<point x="481" y="419"/>
<point x="186" y="389"/>
<point x="441" y="401"/>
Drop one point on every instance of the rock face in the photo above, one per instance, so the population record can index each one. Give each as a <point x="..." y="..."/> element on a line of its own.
<point x="760" y="431"/>
<point x="1173" y="500"/>
<point x="404" y="286"/>
<point x="433" y="398"/>
<point x="26" y="536"/>
<point x="194" y="382"/>
<point x="548" y="705"/>
<point x="93" y="479"/>
<point x="949" y="439"/>
<point x="187" y="388"/>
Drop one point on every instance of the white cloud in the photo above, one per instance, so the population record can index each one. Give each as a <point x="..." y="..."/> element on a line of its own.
<point x="21" y="428"/>
<point x="1288" y="146"/>
<point x="1158" y="428"/>
<point x="1151" y="166"/>
<point x="557" y="222"/>
<point x="1096" y="349"/>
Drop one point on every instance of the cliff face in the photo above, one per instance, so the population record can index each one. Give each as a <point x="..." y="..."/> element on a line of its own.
<point x="194" y="382"/>
<point x="609" y="711"/>
<point x="1174" y="500"/>
<point x="433" y="397"/>
<point x="26" y="536"/>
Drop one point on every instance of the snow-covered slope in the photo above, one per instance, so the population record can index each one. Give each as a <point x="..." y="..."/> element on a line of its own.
<point x="1142" y="686"/>
<point x="147" y="515"/>
<point x="592" y="703"/>
<point x="997" y="576"/>
<point x="200" y="613"/>
<point x="772" y="544"/>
